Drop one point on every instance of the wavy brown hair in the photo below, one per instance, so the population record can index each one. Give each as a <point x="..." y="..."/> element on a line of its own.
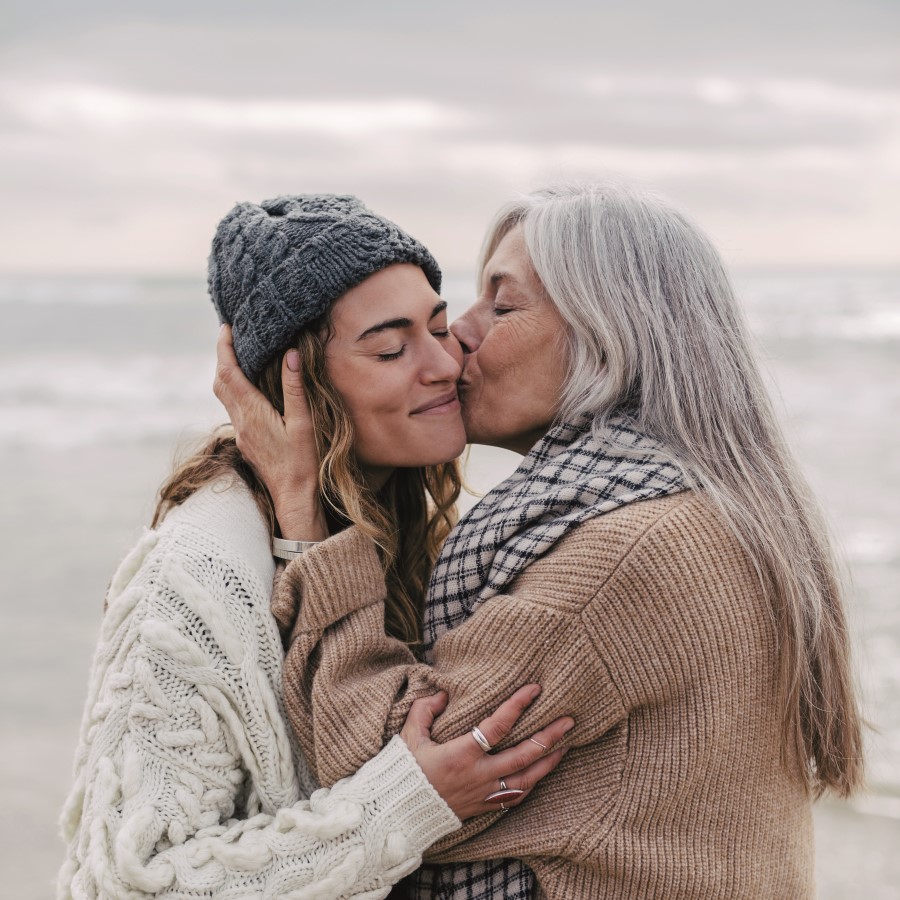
<point x="408" y="519"/>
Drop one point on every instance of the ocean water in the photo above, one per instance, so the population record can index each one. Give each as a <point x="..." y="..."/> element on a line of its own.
<point x="101" y="380"/>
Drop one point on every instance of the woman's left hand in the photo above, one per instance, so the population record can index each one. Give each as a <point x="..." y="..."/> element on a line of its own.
<point x="282" y="449"/>
<point x="469" y="779"/>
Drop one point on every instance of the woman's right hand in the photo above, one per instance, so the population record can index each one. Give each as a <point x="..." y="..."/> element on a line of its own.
<point x="282" y="449"/>
<point x="464" y="774"/>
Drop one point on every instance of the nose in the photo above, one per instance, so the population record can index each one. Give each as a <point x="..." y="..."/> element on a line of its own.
<point x="444" y="360"/>
<point x="465" y="330"/>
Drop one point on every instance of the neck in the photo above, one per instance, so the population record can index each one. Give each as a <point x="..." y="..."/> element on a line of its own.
<point x="376" y="477"/>
<point x="522" y="443"/>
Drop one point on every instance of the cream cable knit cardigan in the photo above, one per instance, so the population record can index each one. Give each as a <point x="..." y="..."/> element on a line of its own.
<point x="188" y="783"/>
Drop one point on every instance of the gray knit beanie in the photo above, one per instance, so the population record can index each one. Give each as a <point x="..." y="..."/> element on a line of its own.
<point x="279" y="265"/>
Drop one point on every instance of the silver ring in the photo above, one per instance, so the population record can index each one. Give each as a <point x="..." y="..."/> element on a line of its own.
<point x="505" y="793"/>
<point x="503" y="786"/>
<point x="533" y="741"/>
<point x="504" y="808"/>
<point x="481" y="740"/>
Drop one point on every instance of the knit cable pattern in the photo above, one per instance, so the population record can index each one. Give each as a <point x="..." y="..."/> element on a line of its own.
<point x="277" y="265"/>
<point x="187" y="781"/>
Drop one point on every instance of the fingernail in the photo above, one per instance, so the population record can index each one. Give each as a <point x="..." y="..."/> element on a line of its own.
<point x="569" y="726"/>
<point x="535" y="690"/>
<point x="293" y="360"/>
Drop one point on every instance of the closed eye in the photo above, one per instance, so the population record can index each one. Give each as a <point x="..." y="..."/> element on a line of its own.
<point x="386" y="357"/>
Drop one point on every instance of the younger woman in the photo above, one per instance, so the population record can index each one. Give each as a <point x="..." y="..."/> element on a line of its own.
<point x="188" y="781"/>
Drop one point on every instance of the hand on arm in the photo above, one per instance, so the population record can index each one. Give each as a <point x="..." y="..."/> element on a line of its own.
<point x="341" y="666"/>
<point x="463" y="774"/>
<point x="282" y="449"/>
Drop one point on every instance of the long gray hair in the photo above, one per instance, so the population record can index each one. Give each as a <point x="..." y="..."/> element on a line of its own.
<point x="654" y="331"/>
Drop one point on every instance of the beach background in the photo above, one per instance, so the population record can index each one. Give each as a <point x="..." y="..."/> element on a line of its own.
<point x="125" y="135"/>
<point x="94" y="406"/>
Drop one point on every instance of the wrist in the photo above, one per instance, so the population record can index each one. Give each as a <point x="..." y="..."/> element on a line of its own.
<point x="406" y="798"/>
<point x="291" y="550"/>
<point x="303" y="521"/>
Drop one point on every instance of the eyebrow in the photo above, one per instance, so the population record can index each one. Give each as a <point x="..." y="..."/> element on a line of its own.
<point x="400" y="323"/>
<point x="498" y="277"/>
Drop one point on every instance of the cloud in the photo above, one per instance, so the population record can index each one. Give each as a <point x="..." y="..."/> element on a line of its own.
<point x="64" y="106"/>
<point x="122" y="139"/>
<point x="803" y="96"/>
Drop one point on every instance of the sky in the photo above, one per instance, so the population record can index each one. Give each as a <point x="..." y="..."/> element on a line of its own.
<point x="128" y="129"/>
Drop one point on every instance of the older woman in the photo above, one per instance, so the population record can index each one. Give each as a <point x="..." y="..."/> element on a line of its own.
<point x="656" y="562"/>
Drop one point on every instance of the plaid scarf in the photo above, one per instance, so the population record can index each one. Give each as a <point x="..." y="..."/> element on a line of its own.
<point x="574" y="473"/>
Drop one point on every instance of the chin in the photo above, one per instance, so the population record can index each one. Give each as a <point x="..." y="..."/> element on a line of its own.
<point x="440" y="450"/>
<point x="448" y="453"/>
<point x="449" y="445"/>
<point x="459" y="446"/>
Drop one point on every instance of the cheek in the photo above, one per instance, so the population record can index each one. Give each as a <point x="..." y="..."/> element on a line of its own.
<point x="376" y="395"/>
<point x="375" y="420"/>
<point x="366" y="394"/>
<point x="523" y="371"/>
<point x="505" y="356"/>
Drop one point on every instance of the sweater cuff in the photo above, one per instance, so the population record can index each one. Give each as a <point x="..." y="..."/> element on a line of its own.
<point x="334" y="579"/>
<point x="406" y="800"/>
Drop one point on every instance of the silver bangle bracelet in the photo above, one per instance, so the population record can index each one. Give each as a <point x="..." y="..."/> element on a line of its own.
<point x="282" y="549"/>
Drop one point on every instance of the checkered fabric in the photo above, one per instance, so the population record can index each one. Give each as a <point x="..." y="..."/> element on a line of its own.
<point x="574" y="473"/>
<point x="509" y="879"/>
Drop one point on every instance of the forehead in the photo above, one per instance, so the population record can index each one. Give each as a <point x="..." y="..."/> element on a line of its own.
<point x="399" y="291"/>
<point x="510" y="263"/>
<point x="510" y="251"/>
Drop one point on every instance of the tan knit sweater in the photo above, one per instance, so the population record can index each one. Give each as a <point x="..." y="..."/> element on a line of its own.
<point x="647" y="624"/>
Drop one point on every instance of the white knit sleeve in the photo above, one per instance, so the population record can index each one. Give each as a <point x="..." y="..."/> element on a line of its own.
<point x="185" y="780"/>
